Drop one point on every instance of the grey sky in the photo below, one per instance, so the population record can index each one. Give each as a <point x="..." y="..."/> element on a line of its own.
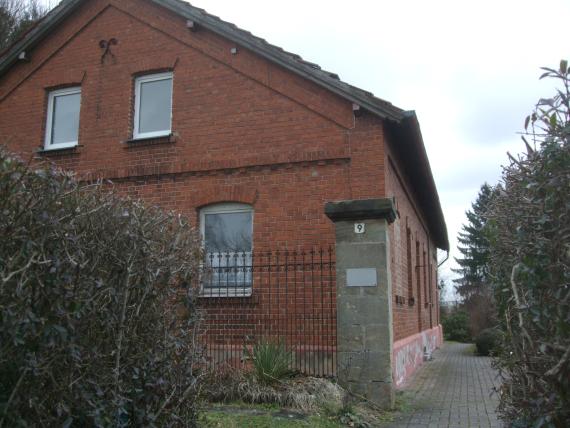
<point x="469" y="69"/>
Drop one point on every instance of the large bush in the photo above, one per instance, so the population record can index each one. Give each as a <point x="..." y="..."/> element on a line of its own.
<point x="487" y="341"/>
<point x="92" y="287"/>
<point x="530" y="266"/>
<point x="456" y="326"/>
<point x="481" y="311"/>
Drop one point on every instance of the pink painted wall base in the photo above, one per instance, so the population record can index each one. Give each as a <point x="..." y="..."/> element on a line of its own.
<point x="410" y="352"/>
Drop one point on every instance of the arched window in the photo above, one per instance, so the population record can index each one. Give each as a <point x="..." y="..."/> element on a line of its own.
<point x="227" y="234"/>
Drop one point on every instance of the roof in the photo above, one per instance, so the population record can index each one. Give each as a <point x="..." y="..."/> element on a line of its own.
<point x="404" y="123"/>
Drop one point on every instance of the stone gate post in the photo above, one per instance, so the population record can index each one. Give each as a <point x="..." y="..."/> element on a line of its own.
<point x="364" y="297"/>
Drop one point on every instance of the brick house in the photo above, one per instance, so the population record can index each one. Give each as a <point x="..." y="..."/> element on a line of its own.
<point x="191" y="113"/>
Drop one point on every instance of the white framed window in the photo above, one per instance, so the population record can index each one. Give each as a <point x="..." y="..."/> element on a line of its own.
<point x="227" y="235"/>
<point x="153" y="106"/>
<point x="62" y="123"/>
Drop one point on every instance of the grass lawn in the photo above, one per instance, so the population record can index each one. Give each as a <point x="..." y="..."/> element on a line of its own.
<point x="241" y="415"/>
<point x="244" y="415"/>
<point x="228" y="420"/>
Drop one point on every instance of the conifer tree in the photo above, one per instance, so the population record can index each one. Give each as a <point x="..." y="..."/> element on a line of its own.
<point x="474" y="249"/>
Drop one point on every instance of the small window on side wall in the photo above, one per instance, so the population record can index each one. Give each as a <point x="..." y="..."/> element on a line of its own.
<point x="227" y="233"/>
<point x="62" y="123"/>
<point x="153" y="106"/>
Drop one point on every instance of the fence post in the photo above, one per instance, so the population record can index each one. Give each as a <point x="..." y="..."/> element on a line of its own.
<point x="364" y="297"/>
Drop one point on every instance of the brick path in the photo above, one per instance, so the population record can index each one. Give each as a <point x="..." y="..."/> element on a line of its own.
<point x="453" y="390"/>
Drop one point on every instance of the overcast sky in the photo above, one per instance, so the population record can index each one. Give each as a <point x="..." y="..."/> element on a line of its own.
<point x="469" y="69"/>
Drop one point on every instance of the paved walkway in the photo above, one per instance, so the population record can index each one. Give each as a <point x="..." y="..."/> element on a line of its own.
<point x="455" y="389"/>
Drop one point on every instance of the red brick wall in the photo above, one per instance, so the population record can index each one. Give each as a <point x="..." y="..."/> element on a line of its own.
<point x="422" y="314"/>
<point x="244" y="129"/>
<point x="239" y="122"/>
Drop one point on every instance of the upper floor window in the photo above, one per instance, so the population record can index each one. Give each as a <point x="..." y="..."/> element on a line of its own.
<point x="153" y="105"/>
<point x="227" y="231"/>
<point x="62" y="124"/>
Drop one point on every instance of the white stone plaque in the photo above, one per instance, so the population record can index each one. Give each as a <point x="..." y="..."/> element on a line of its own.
<point x="363" y="277"/>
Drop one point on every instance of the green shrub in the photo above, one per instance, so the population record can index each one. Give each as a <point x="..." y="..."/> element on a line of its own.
<point x="487" y="341"/>
<point x="456" y="326"/>
<point x="270" y="361"/>
<point x="481" y="311"/>
<point x="88" y="283"/>
<point x="530" y="266"/>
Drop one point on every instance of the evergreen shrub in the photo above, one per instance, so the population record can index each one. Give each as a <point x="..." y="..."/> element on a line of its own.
<point x="89" y="283"/>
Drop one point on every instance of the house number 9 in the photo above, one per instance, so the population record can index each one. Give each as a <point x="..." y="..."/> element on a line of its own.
<point x="359" y="228"/>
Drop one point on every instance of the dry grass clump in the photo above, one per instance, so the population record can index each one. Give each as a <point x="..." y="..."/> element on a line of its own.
<point x="302" y="393"/>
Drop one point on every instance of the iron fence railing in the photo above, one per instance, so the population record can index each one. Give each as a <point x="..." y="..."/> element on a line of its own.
<point x="286" y="297"/>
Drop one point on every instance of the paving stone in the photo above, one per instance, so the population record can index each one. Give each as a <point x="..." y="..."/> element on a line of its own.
<point x="455" y="389"/>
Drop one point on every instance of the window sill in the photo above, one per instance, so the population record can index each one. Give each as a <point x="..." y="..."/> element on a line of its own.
<point x="150" y="141"/>
<point x="59" y="151"/>
<point x="222" y="292"/>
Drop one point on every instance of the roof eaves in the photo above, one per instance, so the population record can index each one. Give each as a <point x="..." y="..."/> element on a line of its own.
<point x="291" y="62"/>
<point x="432" y="208"/>
<point x="287" y="60"/>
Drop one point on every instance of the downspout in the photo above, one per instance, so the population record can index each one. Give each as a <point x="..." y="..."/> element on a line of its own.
<point x="431" y="292"/>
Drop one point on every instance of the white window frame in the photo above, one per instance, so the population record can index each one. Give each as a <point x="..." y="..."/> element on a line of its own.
<point x="49" y="120"/>
<point x="138" y="84"/>
<point x="225" y="208"/>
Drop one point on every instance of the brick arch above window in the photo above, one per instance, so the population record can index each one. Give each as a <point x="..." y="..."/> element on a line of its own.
<point x="66" y="78"/>
<point x="150" y="65"/>
<point x="219" y="194"/>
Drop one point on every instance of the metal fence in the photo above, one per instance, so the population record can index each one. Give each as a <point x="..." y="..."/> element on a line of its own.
<point x="279" y="297"/>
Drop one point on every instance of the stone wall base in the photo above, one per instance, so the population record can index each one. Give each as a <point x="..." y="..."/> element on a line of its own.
<point x="409" y="353"/>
